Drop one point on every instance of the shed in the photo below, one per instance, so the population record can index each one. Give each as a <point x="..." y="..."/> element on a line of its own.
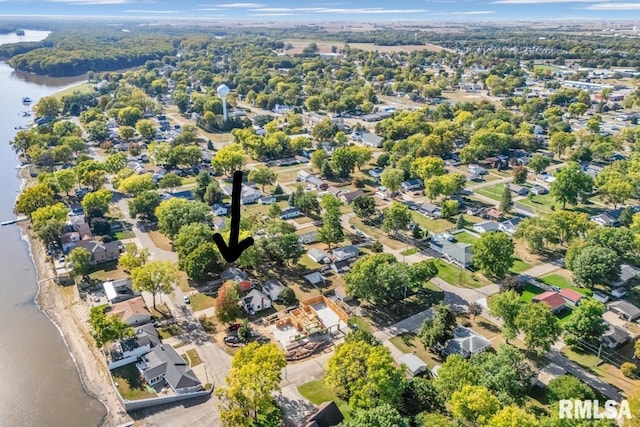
<point x="318" y="255"/>
<point x="413" y="363"/>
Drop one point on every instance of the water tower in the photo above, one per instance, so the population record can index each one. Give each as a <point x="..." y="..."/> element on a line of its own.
<point x="223" y="91"/>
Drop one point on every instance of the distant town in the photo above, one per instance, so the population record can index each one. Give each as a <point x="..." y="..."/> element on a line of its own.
<point x="447" y="226"/>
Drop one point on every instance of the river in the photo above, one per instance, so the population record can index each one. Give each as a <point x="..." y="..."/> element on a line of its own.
<point x="40" y="385"/>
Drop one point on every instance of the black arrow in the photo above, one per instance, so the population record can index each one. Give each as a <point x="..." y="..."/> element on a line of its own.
<point x="234" y="250"/>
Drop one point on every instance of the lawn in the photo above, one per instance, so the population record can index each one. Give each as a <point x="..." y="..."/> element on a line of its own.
<point x="377" y="233"/>
<point x="562" y="282"/>
<point x="317" y="392"/>
<point x="361" y="323"/>
<point x="410" y="251"/>
<point x="201" y="301"/>
<point x="80" y="88"/>
<point x="308" y="262"/>
<point x="160" y="241"/>
<point x="540" y="204"/>
<point x="529" y="291"/>
<point x="130" y="383"/>
<point x="192" y="358"/>
<point x="160" y="312"/>
<point x="169" y="331"/>
<point x="410" y="343"/>
<point x="456" y="276"/>
<point x="493" y="192"/>
<point x="465" y="237"/>
<point x="123" y="235"/>
<point x="108" y="271"/>
<point x="440" y="225"/>
<point x="519" y="266"/>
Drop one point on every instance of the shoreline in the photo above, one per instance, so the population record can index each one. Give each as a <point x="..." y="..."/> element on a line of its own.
<point x="72" y="328"/>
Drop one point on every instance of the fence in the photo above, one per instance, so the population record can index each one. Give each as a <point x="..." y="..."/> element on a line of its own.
<point x="135" y="405"/>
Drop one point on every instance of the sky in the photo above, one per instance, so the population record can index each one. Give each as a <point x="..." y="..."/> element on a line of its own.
<point x="322" y="10"/>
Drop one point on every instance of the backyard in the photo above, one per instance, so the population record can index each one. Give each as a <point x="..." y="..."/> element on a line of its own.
<point x="130" y="383"/>
<point x="457" y="276"/>
<point x="562" y="282"/>
<point x="200" y="301"/>
<point x="317" y="392"/>
<point x="493" y="192"/>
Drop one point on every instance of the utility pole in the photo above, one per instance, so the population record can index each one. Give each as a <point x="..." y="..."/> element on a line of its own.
<point x="598" y="359"/>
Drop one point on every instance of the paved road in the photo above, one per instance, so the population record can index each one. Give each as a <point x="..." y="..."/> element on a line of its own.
<point x="544" y="269"/>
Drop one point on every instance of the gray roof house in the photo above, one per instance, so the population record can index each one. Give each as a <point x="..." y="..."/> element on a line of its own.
<point x="119" y="290"/>
<point x="372" y="139"/>
<point x="273" y="288"/>
<point x="615" y="337"/>
<point x="290" y="212"/>
<point x="486" y="226"/>
<point x="628" y="274"/>
<point x="413" y="363"/>
<point x="465" y="342"/>
<point x="412" y="185"/>
<point x="518" y="189"/>
<point x="610" y="218"/>
<point x="625" y="310"/>
<point x="308" y="238"/>
<point x="327" y="415"/>
<point x="430" y="210"/>
<point x="510" y="226"/>
<point x="163" y="363"/>
<point x="248" y="195"/>
<point x="318" y="255"/>
<point x="345" y="252"/>
<point x="456" y="252"/>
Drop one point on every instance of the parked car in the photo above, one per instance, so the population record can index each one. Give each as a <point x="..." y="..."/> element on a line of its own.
<point x="186" y="300"/>
<point x="233" y="339"/>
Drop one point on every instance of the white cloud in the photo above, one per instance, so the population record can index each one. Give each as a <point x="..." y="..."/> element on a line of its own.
<point x="543" y="1"/>
<point x="94" y="2"/>
<point x="272" y="14"/>
<point x="240" y="5"/>
<point x="373" y="10"/>
<point x="614" y="6"/>
<point x="151" y="11"/>
<point x="475" y="12"/>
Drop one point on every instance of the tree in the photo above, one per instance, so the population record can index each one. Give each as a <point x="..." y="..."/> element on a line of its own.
<point x="248" y="396"/>
<point x="392" y="178"/>
<point x="227" y="303"/>
<point x="49" y="230"/>
<point x="621" y="240"/>
<point x="568" y="226"/>
<point x="306" y="202"/>
<point x="281" y="244"/>
<point x="474" y="309"/>
<point x="136" y="184"/>
<point x="170" y="181"/>
<point x="262" y="177"/>
<point x="48" y="106"/>
<point x="539" y="162"/>
<point x="126" y="132"/>
<point x="146" y="128"/>
<point x="428" y="167"/>
<point x="383" y="415"/>
<point x="449" y="208"/>
<point x="343" y="161"/>
<point x="571" y="184"/>
<point x="129" y="116"/>
<point x="427" y="419"/>
<point x="331" y="230"/>
<point x="172" y="214"/>
<point x="133" y="258"/>
<point x="474" y="405"/>
<point x="107" y="328"/>
<point x="318" y="158"/>
<point x="506" y="201"/>
<point x="568" y="387"/>
<point x="493" y="254"/>
<point x="420" y="395"/>
<point x="539" y="326"/>
<point x="313" y="103"/>
<point x="454" y="374"/>
<point x="396" y="217"/>
<point x="594" y="264"/>
<point x="154" y="277"/>
<point x="365" y="375"/>
<point x="364" y="207"/>
<point x="560" y="141"/>
<point x="229" y="158"/>
<point x="506" y="305"/>
<point x="274" y="211"/>
<point x="586" y="325"/>
<point x="66" y="180"/>
<point x="33" y="198"/>
<point x="145" y="205"/>
<point x="577" y="108"/>
<point x="507" y="373"/>
<point x="438" y="329"/>
<point x="96" y="203"/>
<point x="629" y="369"/>
<point x="520" y="175"/>
<point x="513" y="416"/>
<point x="202" y="182"/>
<point x="200" y="263"/>
<point x="80" y="261"/>
<point x="114" y="163"/>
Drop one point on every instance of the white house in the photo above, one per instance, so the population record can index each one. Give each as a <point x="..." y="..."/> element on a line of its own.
<point x="318" y="255"/>
<point x="130" y="350"/>
<point x="371" y="139"/>
<point x="273" y="289"/>
<point x="290" y="212"/>
<point x="486" y="226"/>
<point x="256" y="301"/>
<point x="248" y="195"/>
<point x="219" y="209"/>
<point x="346" y="252"/>
<point x="413" y="363"/>
<point x="119" y="290"/>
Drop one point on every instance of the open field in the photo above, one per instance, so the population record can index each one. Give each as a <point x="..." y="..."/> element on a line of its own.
<point x="325" y="46"/>
<point x="81" y="88"/>
<point x="456" y="276"/>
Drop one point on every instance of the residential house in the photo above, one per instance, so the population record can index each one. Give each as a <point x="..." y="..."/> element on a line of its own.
<point x="486" y="226"/>
<point x="412" y="185"/>
<point x="267" y="200"/>
<point x="130" y="350"/>
<point x="553" y="299"/>
<point x="477" y="170"/>
<point x="518" y="190"/>
<point x="133" y="311"/>
<point x="545" y="177"/>
<point x="341" y="293"/>
<point x="119" y="290"/>
<point x="571" y="297"/>
<point x="238" y="276"/>
<point x="371" y="140"/>
<point x="609" y="218"/>
<point x="308" y="238"/>
<point x="101" y="251"/>
<point x="413" y="364"/>
<point x="290" y="212"/>
<point x="492" y="214"/>
<point x="335" y="191"/>
<point x="430" y="210"/>
<point x="619" y="293"/>
<point x="281" y="109"/>
<point x="273" y="288"/>
<point x="510" y="226"/>
<point x="615" y="337"/>
<point x="351" y="196"/>
<point x="376" y="173"/>
<point x="255" y="301"/>
<point x="219" y="209"/>
<point x="318" y="255"/>
<point x="341" y="267"/>
<point x="625" y="310"/>
<point x="69" y="240"/>
<point x="593" y="169"/>
<point x="248" y="195"/>
<point x="163" y="363"/>
<point x="539" y="190"/>
<point x="457" y="252"/>
<point x="76" y="208"/>
<point x="314" y="278"/>
<point x="465" y="342"/>
<point x="345" y="253"/>
<point x="628" y="275"/>
<point x="327" y="415"/>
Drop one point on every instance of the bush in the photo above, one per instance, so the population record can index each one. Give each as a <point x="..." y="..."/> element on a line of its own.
<point x="207" y="324"/>
<point x="358" y="182"/>
<point x="287" y="296"/>
<point x="377" y="247"/>
<point x="629" y="370"/>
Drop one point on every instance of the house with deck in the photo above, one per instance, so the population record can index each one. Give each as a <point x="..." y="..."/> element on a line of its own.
<point x="164" y="365"/>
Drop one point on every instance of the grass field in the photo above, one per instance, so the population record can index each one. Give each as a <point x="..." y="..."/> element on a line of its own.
<point x="81" y="88"/>
<point x="201" y="301"/>
<point x="317" y="392"/>
<point x="131" y="385"/>
<point x="563" y="282"/>
<point x="529" y="291"/>
<point x="460" y="277"/>
<point x="465" y="237"/>
<point x="192" y="358"/>
<point x="493" y="192"/>
<point x="519" y="266"/>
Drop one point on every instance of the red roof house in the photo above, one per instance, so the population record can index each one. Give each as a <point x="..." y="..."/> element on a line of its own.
<point x="553" y="299"/>
<point x="571" y="297"/>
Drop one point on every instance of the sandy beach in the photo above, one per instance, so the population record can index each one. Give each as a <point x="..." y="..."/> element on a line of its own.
<point x="63" y="306"/>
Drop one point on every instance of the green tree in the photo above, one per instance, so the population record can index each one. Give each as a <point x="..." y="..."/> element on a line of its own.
<point x="318" y="158"/>
<point x="114" y="163"/>
<point x="48" y="106"/>
<point x="33" y="198"/>
<point x="428" y="167"/>
<point x="229" y="158"/>
<point x="593" y="264"/>
<point x="343" y="161"/>
<point x="420" y="395"/>
<point x="507" y="373"/>
<point x="97" y="202"/>
<point x="129" y="116"/>
<point x="383" y="415"/>
<point x="227" y="303"/>
<point x="454" y="374"/>
<point x="170" y="181"/>
<point x="190" y="237"/>
<point x="66" y="180"/>
<point x="80" y="261"/>
<point x="507" y="306"/>
<point x="201" y="263"/>
<point x="520" y="175"/>
<point x="107" y="328"/>
<point x="493" y="254"/>
<point x="247" y="399"/>
<point x="568" y="387"/>
<point x="274" y="211"/>
<point x="621" y="240"/>
<point x="438" y="329"/>
<point x="126" y="132"/>
<point x="474" y="405"/>
<point x="146" y="128"/>
<point x="145" y="205"/>
<point x="154" y="277"/>
<point x="511" y="416"/>
<point x="506" y="202"/>
<point x="571" y="184"/>
<point x="313" y="103"/>
<point x="365" y="375"/>
<point x="364" y="207"/>
<point x="539" y="326"/>
<point x="392" y="178"/>
<point x="396" y="217"/>
<point x="539" y="162"/>
<point x="174" y="213"/>
<point x="449" y="208"/>
<point x="586" y="324"/>
<point x="136" y="184"/>
<point x="133" y="257"/>
<point x="331" y="230"/>
<point x="262" y="177"/>
<point x="560" y="142"/>
<point x="614" y="187"/>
